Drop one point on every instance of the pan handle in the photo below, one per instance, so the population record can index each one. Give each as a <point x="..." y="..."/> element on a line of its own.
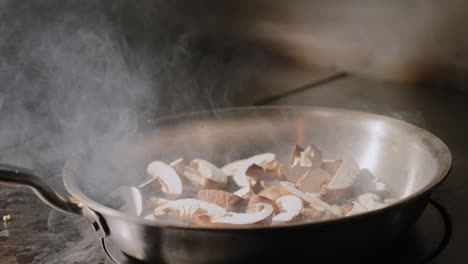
<point x="20" y="177"/>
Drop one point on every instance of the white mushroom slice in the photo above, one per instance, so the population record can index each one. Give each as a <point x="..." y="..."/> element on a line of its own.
<point x="311" y="198"/>
<point x="232" y="167"/>
<point x="313" y="180"/>
<point x="132" y="198"/>
<point x="239" y="176"/>
<point x="291" y="207"/>
<point x="241" y="179"/>
<point x="345" y="176"/>
<point x="245" y="192"/>
<point x="187" y="208"/>
<point x="357" y="209"/>
<point x="263" y="212"/>
<point x="370" y="201"/>
<point x="260" y="159"/>
<point x="178" y="165"/>
<point x="194" y="177"/>
<point x="209" y="171"/>
<point x="167" y="176"/>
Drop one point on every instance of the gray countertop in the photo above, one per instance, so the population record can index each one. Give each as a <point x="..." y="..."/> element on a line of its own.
<point x="38" y="234"/>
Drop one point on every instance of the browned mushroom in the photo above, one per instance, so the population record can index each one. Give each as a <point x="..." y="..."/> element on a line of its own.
<point x="273" y="192"/>
<point x="340" y="188"/>
<point x="227" y="200"/>
<point x="314" y="215"/>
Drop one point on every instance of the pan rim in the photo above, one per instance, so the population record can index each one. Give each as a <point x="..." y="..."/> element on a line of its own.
<point x="444" y="156"/>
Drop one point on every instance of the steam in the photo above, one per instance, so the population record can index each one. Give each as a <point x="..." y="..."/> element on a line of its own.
<point x="81" y="75"/>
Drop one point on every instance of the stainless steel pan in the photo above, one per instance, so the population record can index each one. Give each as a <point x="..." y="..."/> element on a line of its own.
<point x="409" y="159"/>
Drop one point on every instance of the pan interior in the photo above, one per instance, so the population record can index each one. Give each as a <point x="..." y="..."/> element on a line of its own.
<point x="405" y="157"/>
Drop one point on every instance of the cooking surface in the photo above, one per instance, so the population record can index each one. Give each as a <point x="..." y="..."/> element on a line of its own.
<point x="38" y="234"/>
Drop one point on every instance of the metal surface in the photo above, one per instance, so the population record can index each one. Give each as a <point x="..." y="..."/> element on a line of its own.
<point x="15" y="176"/>
<point x="409" y="159"/>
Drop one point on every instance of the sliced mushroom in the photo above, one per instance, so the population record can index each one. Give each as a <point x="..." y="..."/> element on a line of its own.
<point x="240" y="176"/>
<point x="313" y="180"/>
<point x="232" y="167"/>
<point x="262" y="213"/>
<point x="245" y="192"/>
<point x="204" y="175"/>
<point x="311" y="198"/>
<point x="291" y="206"/>
<point x="255" y="171"/>
<point x="187" y="208"/>
<point x="227" y="200"/>
<point x="254" y="200"/>
<point x="132" y="199"/>
<point x="331" y="166"/>
<point x="370" y="201"/>
<point x="178" y="165"/>
<point x="209" y="171"/>
<point x="273" y="192"/>
<point x="309" y="157"/>
<point x="312" y="214"/>
<point x="340" y="188"/>
<point x="170" y="181"/>
<point x="151" y="186"/>
<point x="367" y="183"/>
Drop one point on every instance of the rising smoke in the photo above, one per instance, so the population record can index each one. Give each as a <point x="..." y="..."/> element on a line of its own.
<point x="82" y="74"/>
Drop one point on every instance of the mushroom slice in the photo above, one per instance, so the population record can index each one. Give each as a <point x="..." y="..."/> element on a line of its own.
<point x="132" y="198"/>
<point x="200" y="180"/>
<point x="367" y="183"/>
<point x="254" y="200"/>
<point x="209" y="171"/>
<point x="252" y="165"/>
<point x="227" y="200"/>
<point x="245" y="192"/>
<point x="151" y="186"/>
<point x="357" y="209"/>
<point x="273" y="192"/>
<point x="291" y="207"/>
<point x="311" y="198"/>
<point x="313" y="180"/>
<point x="187" y="208"/>
<point x="331" y="166"/>
<point x="178" y="165"/>
<point x="316" y="215"/>
<point x="370" y="201"/>
<point x="260" y="159"/>
<point x="170" y="181"/>
<point x="232" y="167"/>
<point x="340" y="188"/>
<point x="262" y="213"/>
<point x="309" y="157"/>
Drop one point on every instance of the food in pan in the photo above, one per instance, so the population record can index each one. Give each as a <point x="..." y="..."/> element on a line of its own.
<point x="259" y="190"/>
